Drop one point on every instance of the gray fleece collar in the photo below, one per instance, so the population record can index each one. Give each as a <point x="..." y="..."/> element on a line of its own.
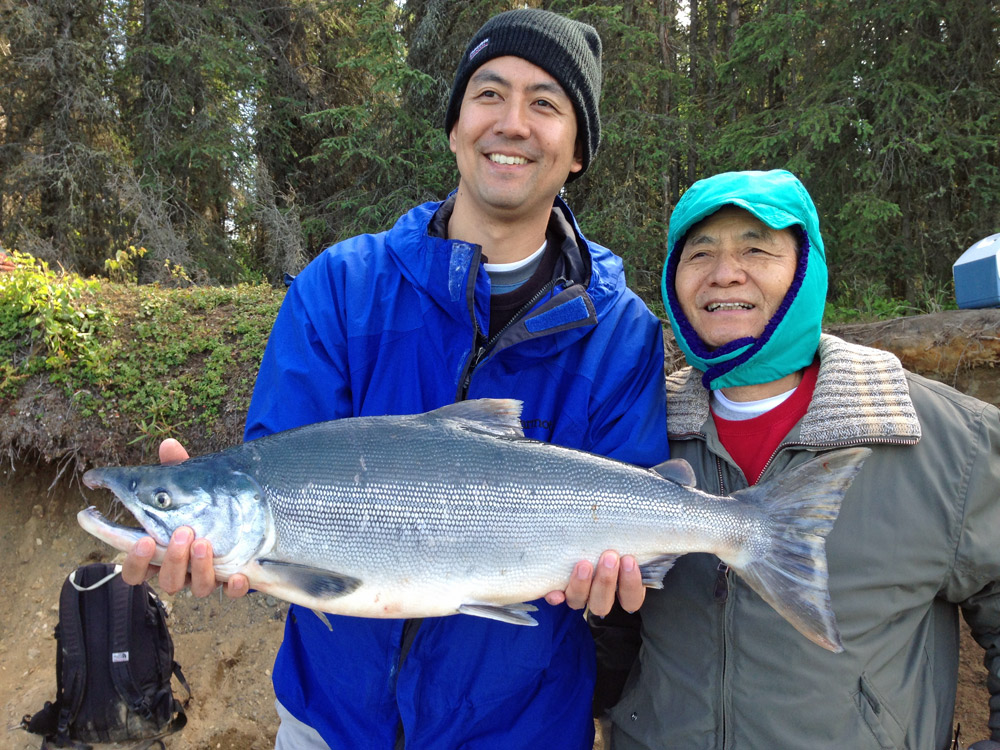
<point x="861" y="395"/>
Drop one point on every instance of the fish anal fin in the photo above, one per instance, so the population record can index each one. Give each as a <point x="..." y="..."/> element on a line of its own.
<point x="677" y="470"/>
<point x="654" y="570"/>
<point x="316" y="582"/>
<point x="515" y="614"/>
<point x="494" y="416"/>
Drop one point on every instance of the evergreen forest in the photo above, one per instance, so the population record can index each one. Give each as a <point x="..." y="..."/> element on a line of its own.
<point x="235" y="139"/>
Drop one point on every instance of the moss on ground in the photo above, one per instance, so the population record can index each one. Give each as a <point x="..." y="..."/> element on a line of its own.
<point x="102" y="371"/>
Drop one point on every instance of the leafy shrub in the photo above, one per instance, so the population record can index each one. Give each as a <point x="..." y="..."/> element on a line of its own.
<point x="48" y="320"/>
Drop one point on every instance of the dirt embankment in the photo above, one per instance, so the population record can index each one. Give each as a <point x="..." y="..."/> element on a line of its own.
<point x="226" y="649"/>
<point x="960" y="347"/>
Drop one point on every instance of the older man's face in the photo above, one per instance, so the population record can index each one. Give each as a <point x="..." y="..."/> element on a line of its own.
<point x="733" y="274"/>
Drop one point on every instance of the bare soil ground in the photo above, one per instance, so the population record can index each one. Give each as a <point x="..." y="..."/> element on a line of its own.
<point x="226" y="649"/>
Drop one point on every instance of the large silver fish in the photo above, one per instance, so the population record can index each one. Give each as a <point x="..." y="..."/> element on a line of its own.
<point x="454" y="511"/>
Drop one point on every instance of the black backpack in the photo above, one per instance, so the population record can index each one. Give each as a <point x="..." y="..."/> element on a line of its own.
<point x="113" y="665"/>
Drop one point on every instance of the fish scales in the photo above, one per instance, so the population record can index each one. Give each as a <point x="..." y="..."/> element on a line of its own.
<point x="455" y="511"/>
<point x="449" y="503"/>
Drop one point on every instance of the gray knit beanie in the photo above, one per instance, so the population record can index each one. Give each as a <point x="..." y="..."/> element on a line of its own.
<point x="569" y="51"/>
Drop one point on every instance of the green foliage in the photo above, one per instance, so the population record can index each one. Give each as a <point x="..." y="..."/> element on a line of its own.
<point x="48" y="321"/>
<point x="182" y="358"/>
<point x="238" y="140"/>
<point x="620" y="202"/>
<point x="163" y="360"/>
<point x="398" y="157"/>
<point x="877" y="108"/>
<point x="861" y="301"/>
<point x="122" y="268"/>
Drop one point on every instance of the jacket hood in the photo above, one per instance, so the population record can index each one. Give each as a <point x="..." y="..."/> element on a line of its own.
<point x="789" y="341"/>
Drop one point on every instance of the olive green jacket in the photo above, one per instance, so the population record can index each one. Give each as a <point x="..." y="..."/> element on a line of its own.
<point x="917" y="539"/>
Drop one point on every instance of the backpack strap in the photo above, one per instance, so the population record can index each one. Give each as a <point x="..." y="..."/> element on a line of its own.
<point x="71" y="658"/>
<point x="73" y="744"/>
<point x="54" y="719"/>
<point x="123" y="602"/>
<point x="79" y="587"/>
<point x="176" y="670"/>
<point x="119" y="637"/>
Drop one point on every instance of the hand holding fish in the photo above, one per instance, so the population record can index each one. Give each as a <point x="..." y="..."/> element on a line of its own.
<point x="597" y="588"/>
<point x="182" y="551"/>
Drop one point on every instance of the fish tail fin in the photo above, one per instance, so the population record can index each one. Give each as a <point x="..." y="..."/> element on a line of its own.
<point x="800" y="507"/>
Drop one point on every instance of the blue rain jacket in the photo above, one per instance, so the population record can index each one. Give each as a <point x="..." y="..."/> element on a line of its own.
<point x="386" y="324"/>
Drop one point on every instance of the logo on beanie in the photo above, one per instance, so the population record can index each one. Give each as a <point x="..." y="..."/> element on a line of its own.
<point x="479" y="48"/>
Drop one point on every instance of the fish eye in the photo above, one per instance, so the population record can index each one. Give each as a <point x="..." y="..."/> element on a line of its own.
<point x="161" y="499"/>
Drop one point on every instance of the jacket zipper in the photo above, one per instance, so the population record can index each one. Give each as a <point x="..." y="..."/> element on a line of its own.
<point x="484" y="349"/>
<point x="721" y="592"/>
<point x="834" y="445"/>
<point x="721" y="595"/>
<point x="723" y="585"/>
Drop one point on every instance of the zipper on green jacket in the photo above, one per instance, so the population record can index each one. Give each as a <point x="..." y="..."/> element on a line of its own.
<point x="720" y="594"/>
<point x="725" y="580"/>
<point x="836" y="444"/>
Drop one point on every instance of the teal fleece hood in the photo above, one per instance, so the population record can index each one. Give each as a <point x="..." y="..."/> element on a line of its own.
<point x="790" y="339"/>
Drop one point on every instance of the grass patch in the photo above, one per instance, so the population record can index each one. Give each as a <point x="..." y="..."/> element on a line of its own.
<point x="863" y="301"/>
<point x="147" y="362"/>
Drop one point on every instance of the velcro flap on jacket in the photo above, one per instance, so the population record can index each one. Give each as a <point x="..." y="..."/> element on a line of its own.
<point x="575" y="311"/>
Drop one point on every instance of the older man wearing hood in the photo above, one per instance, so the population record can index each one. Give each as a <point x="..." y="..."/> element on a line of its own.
<point x="918" y="536"/>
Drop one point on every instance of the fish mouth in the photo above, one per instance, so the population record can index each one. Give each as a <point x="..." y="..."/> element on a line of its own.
<point x="117" y="482"/>
<point x="120" y="537"/>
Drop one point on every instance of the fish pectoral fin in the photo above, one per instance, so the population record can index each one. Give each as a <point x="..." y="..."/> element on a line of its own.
<point x="654" y="570"/>
<point x="316" y="582"/>
<point x="323" y="618"/>
<point x="677" y="470"/>
<point x="515" y="614"/>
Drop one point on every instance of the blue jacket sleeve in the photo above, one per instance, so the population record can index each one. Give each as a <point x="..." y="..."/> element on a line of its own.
<point x="629" y="412"/>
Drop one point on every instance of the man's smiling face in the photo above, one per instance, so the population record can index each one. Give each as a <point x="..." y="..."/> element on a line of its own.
<point x="515" y="138"/>
<point x="733" y="274"/>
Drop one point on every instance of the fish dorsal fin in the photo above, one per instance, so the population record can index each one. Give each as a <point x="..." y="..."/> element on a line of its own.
<point x="677" y="470"/>
<point x="495" y="416"/>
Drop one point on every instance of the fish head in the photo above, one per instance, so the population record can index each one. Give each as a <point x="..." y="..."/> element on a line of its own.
<point x="219" y="503"/>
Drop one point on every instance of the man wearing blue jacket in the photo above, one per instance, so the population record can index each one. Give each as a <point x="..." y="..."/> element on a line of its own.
<point x="493" y="293"/>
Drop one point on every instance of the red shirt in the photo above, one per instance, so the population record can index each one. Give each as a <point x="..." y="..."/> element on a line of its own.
<point x="752" y="442"/>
